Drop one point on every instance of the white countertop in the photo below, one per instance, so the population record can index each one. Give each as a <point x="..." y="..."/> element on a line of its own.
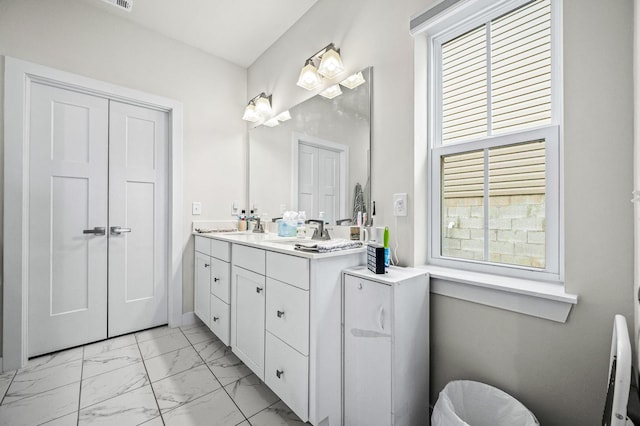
<point x="275" y="243"/>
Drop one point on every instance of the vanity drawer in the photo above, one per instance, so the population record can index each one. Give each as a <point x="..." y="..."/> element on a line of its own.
<point x="292" y="270"/>
<point x="287" y="314"/>
<point x="203" y="245"/>
<point x="221" y="250"/>
<point x="220" y="316"/>
<point x="286" y="372"/>
<point x="220" y="279"/>
<point x="249" y="258"/>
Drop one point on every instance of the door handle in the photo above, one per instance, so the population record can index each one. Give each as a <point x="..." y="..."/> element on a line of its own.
<point x="98" y="230"/>
<point x="258" y="289"/>
<point x="116" y="230"/>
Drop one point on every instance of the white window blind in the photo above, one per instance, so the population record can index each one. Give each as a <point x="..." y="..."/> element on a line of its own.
<point x="509" y="58"/>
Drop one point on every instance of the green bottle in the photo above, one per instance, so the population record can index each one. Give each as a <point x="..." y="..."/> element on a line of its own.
<point x="387" y="257"/>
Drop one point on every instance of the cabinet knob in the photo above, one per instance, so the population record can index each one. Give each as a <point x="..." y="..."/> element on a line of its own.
<point x="206" y="265"/>
<point x="215" y="280"/>
<point x="280" y="314"/>
<point x="215" y="319"/>
<point x="259" y="289"/>
<point x="279" y="373"/>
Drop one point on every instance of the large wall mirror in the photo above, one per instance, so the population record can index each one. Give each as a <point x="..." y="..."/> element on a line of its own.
<point x="319" y="160"/>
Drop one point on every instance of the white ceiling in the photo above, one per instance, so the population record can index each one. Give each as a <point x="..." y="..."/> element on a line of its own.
<point x="236" y="30"/>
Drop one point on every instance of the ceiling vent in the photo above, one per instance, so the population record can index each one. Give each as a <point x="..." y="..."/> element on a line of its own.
<point x="121" y="4"/>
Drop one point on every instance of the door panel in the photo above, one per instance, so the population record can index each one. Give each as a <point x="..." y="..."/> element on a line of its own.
<point x="318" y="182"/>
<point x="329" y="183"/>
<point x="68" y="194"/>
<point x="138" y="149"/>
<point x="308" y="180"/>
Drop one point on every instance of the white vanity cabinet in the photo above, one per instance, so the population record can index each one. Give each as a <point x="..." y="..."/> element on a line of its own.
<point x="386" y="347"/>
<point x="212" y="285"/>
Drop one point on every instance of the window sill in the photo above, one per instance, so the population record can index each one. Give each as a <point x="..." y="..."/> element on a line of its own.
<point x="535" y="298"/>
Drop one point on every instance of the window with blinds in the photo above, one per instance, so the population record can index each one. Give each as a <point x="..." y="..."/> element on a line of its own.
<point x="495" y="153"/>
<point x="496" y="78"/>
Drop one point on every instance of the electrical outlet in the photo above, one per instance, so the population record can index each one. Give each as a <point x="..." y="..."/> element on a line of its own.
<point x="196" y="208"/>
<point x="283" y="208"/>
<point x="400" y="204"/>
<point x="234" y="208"/>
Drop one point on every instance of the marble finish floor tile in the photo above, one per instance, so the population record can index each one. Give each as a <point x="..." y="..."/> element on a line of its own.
<point x="183" y="387"/>
<point x="34" y="381"/>
<point x="199" y="334"/>
<point x="212" y="350"/>
<point x="113" y="383"/>
<point x="41" y="408"/>
<point x="215" y="408"/>
<point x="154" y="333"/>
<point x="131" y="408"/>
<point x="154" y="422"/>
<point x="276" y="415"/>
<point x="111" y="360"/>
<point x="251" y="395"/>
<point x="5" y="380"/>
<point x="163" y="344"/>
<point x="108" y="345"/>
<point x="68" y="420"/>
<point x="229" y="368"/>
<point x="172" y="363"/>
<point x="197" y="323"/>
<point x="56" y="358"/>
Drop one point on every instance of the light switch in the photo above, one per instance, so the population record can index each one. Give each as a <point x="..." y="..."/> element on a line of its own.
<point x="196" y="208"/>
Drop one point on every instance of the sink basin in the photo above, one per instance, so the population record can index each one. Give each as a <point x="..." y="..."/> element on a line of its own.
<point x="290" y="242"/>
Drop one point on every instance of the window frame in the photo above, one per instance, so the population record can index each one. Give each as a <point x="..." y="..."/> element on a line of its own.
<point x="461" y="18"/>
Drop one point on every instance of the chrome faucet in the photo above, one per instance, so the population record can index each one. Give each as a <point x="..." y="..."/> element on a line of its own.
<point x="320" y="233"/>
<point x="258" y="228"/>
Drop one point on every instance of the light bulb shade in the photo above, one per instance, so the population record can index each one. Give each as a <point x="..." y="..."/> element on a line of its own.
<point x="331" y="91"/>
<point x="273" y="122"/>
<point x="250" y="113"/>
<point x="309" y="78"/>
<point x="331" y="64"/>
<point x="284" y="116"/>
<point x="353" y="81"/>
<point x="263" y="106"/>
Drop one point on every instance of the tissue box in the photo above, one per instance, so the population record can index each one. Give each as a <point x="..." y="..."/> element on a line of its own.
<point x="287" y="229"/>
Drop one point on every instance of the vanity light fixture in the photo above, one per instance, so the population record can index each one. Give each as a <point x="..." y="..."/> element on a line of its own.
<point x="258" y="108"/>
<point x="331" y="91"/>
<point x="309" y="78"/>
<point x="353" y="81"/>
<point x="273" y="122"/>
<point x="284" y="116"/>
<point x="329" y="66"/>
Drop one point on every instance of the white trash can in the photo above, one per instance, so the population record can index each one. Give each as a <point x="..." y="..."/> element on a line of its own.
<point x="464" y="403"/>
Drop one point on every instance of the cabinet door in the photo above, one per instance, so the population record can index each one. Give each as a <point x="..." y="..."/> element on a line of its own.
<point x="287" y="314"/>
<point x="287" y="374"/>
<point x="247" y="318"/>
<point x="220" y="319"/>
<point x="367" y="352"/>
<point x="202" y="290"/>
<point x="220" y="279"/>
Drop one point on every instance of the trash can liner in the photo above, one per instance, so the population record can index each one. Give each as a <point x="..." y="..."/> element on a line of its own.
<point x="468" y="403"/>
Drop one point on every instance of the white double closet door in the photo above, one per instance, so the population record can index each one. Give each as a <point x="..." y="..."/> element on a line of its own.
<point x="319" y="182"/>
<point x="97" y="218"/>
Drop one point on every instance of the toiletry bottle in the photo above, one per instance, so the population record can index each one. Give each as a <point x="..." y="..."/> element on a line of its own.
<point x="387" y="253"/>
<point x="242" y="222"/>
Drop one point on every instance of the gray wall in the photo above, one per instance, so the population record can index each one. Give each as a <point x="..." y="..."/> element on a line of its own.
<point x="74" y="36"/>
<point x="557" y="370"/>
